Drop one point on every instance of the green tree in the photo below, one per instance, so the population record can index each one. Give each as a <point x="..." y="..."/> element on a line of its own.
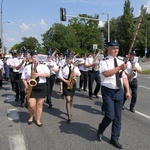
<point x="87" y="31"/>
<point x="126" y="29"/>
<point x="61" y="37"/>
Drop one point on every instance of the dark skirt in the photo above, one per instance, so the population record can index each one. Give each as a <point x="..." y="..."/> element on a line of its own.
<point x="39" y="91"/>
<point x="68" y="92"/>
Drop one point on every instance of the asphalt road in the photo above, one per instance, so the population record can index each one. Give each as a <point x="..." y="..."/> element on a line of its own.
<point x="57" y="134"/>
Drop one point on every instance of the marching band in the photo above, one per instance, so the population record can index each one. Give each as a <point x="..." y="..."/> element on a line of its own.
<point x="33" y="80"/>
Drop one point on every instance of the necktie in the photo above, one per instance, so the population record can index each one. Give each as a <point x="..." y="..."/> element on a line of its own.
<point x="69" y="71"/>
<point x="118" y="82"/>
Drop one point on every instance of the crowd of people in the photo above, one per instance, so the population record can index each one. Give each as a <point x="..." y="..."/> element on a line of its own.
<point x="33" y="82"/>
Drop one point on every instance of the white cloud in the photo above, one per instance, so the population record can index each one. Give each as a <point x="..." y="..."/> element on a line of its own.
<point x="43" y="24"/>
<point x="24" y="27"/>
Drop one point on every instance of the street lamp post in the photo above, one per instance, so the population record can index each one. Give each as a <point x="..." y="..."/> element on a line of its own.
<point x="108" y="28"/>
<point x="1" y="36"/>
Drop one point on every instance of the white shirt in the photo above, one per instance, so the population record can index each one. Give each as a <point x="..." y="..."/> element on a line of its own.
<point x="64" y="71"/>
<point x="129" y="68"/>
<point x="82" y="67"/>
<point x="108" y="64"/>
<point x="16" y="61"/>
<point x="1" y="64"/>
<point x="51" y="64"/>
<point x="41" y="68"/>
<point x="89" y="61"/>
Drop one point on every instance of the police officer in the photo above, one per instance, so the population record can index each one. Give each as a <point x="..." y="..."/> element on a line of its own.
<point x="132" y="71"/>
<point x="53" y="67"/>
<point x="90" y="63"/>
<point x="112" y="93"/>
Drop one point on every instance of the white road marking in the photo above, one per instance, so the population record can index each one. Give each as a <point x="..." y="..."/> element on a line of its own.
<point x="146" y="116"/>
<point x="17" y="142"/>
<point x="12" y="114"/>
<point x="10" y="99"/>
<point x="144" y="87"/>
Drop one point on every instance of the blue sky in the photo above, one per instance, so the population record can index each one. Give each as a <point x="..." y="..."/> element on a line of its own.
<point x="34" y="17"/>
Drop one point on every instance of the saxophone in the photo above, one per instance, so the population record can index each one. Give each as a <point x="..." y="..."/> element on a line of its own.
<point x="72" y="78"/>
<point x="32" y="81"/>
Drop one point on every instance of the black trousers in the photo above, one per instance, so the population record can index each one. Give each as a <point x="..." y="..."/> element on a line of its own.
<point x="16" y="80"/>
<point x="50" y="84"/>
<point x="134" y="88"/>
<point x="21" y="89"/>
<point x="83" y="79"/>
<point x="94" y="76"/>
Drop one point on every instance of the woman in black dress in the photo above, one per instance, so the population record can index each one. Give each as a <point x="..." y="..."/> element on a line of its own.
<point x="38" y="94"/>
<point x="65" y="73"/>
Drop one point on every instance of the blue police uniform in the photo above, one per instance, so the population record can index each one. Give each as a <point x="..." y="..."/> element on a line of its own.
<point x="113" y="97"/>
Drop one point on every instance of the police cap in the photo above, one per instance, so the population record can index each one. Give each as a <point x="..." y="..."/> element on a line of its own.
<point x="113" y="43"/>
<point x="133" y="53"/>
<point x="69" y="55"/>
<point x="33" y="53"/>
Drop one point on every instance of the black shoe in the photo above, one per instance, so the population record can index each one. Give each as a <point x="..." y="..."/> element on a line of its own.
<point x="85" y="90"/>
<point x="62" y="96"/>
<point x="99" y="136"/>
<point x="132" y="110"/>
<point x="50" y="106"/>
<point x="17" y="99"/>
<point x="96" y="95"/>
<point x="22" y="105"/>
<point x="30" y="122"/>
<point x="91" y="97"/>
<point x="69" y="121"/>
<point x="39" y="125"/>
<point x="116" y="144"/>
<point x="123" y="107"/>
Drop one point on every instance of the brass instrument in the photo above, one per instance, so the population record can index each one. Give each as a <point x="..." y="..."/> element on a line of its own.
<point x="133" y="72"/>
<point x="55" y="52"/>
<point x="72" y="78"/>
<point x="32" y="81"/>
<point x="96" y="60"/>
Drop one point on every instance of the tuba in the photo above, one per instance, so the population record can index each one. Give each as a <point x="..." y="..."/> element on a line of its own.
<point x="32" y="81"/>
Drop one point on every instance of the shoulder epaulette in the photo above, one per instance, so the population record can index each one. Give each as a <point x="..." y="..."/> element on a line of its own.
<point x="105" y="58"/>
<point x="64" y="66"/>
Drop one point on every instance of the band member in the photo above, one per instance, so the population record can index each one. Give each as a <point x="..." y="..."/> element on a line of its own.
<point x="132" y="71"/>
<point x="60" y="64"/>
<point x="51" y="80"/>
<point x="84" y="74"/>
<point x="67" y="73"/>
<point x="112" y="93"/>
<point x="37" y="89"/>
<point x="16" y="61"/>
<point x="91" y="63"/>
<point x="9" y="63"/>
<point x="21" y="64"/>
<point x="2" y="71"/>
